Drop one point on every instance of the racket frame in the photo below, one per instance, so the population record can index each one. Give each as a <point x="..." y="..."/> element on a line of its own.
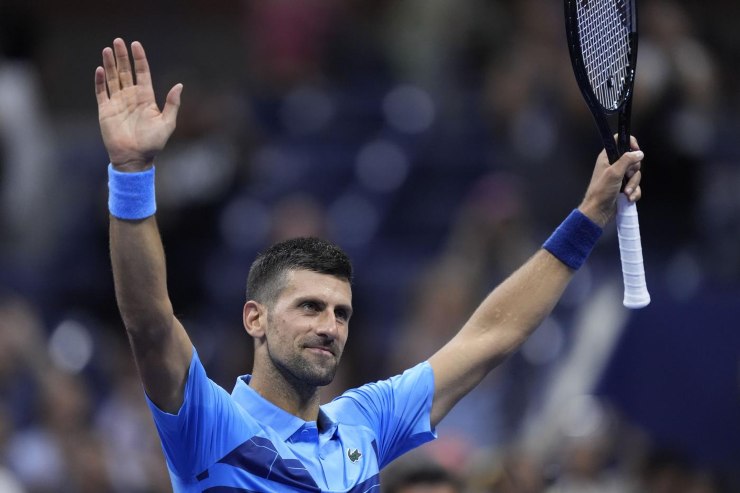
<point x="600" y="113"/>
<point x="635" y="288"/>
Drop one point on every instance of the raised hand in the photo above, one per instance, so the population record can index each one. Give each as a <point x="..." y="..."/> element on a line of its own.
<point x="134" y="129"/>
<point x="600" y="202"/>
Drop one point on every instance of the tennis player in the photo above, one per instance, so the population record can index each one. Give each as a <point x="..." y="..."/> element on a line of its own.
<point x="270" y="434"/>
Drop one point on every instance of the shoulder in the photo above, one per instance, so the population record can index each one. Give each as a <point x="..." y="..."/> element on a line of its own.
<point x="396" y="411"/>
<point x="416" y="383"/>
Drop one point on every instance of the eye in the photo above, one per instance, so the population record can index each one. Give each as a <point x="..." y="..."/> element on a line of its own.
<point x="310" y="306"/>
<point x="342" y="315"/>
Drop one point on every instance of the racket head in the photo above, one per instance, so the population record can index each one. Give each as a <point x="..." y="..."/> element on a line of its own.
<point x="602" y="41"/>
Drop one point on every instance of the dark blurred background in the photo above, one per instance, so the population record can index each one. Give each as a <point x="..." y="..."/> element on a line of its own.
<point x="439" y="142"/>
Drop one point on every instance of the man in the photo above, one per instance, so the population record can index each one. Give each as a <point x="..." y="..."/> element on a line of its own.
<point x="271" y="434"/>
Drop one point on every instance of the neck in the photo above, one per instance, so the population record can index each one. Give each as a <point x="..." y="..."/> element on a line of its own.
<point x="285" y="392"/>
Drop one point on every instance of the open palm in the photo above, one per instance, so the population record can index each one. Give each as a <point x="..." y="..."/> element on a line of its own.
<point x="134" y="129"/>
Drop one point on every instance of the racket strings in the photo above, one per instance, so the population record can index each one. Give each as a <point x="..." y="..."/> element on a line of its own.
<point x="604" y="37"/>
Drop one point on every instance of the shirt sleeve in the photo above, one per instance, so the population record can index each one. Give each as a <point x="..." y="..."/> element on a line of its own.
<point x="204" y="429"/>
<point x="398" y="410"/>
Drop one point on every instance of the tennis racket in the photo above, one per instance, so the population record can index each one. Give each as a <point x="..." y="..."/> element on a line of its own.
<point x="602" y="40"/>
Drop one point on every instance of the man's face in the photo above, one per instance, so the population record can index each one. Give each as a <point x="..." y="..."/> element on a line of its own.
<point x="307" y="327"/>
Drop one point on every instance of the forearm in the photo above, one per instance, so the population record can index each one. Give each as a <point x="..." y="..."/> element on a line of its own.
<point x="512" y="311"/>
<point x="505" y="318"/>
<point x="518" y="306"/>
<point x="139" y="274"/>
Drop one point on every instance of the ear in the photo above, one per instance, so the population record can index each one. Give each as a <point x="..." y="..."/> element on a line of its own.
<point x="255" y="318"/>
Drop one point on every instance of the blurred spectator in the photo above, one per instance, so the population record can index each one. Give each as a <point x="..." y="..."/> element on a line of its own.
<point x="420" y="476"/>
<point x="287" y="41"/>
<point x="676" y="103"/>
<point x="493" y="230"/>
<point x="536" y="115"/>
<point x="129" y="452"/>
<point x="28" y="184"/>
<point x="588" y="467"/>
<point x="8" y="481"/>
<point x="24" y="359"/>
<point x="43" y="455"/>
<point x="508" y="471"/>
<point x="665" y="471"/>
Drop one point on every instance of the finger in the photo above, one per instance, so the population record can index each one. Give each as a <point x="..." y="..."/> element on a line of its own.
<point x="633" y="169"/>
<point x="101" y="93"/>
<point x="141" y="65"/>
<point x="172" y="105"/>
<point x="633" y="184"/>
<point x="635" y="195"/>
<point x="111" y="73"/>
<point x="627" y="160"/>
<point x="125" y="75"/>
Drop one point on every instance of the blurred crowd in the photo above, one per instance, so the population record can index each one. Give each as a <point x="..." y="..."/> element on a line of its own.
<point x="438" y="142"/>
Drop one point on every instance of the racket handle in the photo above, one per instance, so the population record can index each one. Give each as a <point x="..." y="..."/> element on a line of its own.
<point x="630" y="249"/>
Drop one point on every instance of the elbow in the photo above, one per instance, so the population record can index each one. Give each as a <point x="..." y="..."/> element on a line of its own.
<point x="500" y="342"/>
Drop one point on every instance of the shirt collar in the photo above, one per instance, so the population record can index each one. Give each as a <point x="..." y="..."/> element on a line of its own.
<point x="264" y="411"/>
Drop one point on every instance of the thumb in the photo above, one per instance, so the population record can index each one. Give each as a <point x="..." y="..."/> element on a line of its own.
<point x="172" y="104"/>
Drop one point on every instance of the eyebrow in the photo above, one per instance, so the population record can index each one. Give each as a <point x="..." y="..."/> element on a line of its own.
<point x="316" y="299"/>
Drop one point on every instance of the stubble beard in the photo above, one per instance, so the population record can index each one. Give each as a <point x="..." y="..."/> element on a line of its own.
<point x="298" y="369"/>
<point x="303" y="373"/>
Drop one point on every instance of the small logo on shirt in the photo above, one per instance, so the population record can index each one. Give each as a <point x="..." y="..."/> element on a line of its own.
<point x="354" y="455"/>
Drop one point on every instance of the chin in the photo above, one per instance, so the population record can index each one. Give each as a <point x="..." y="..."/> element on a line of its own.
<point x="321" y="380"/>
<point x="307" y="372"/>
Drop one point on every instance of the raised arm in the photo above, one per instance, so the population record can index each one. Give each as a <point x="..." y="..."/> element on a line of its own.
<point x="134" y="131"/>
<point x="514" y="309"/>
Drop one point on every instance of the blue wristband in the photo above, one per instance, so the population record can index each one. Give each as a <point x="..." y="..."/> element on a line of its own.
<point x="573" y="240"/>
<point x="131" y="195"/>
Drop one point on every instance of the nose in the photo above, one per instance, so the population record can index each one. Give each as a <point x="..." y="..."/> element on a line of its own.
<point x="328" y="325"/>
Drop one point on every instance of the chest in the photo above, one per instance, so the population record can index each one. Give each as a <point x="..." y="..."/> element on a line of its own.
<point x="344" y="460"/>
<point x="339" y="461"/>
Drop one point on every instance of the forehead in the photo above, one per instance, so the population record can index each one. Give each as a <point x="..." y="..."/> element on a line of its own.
<point x="303" y="283"/>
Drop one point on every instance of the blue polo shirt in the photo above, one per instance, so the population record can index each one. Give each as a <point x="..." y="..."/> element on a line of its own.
<point x="240" y="442"/>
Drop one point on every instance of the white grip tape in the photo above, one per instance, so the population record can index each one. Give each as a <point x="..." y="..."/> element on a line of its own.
<point x="630" y="249"/>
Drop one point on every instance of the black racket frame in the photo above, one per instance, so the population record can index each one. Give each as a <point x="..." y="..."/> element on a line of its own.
<point x="600" y="113"/>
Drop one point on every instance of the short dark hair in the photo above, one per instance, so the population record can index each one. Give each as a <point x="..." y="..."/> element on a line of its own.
<point x="267" y="275"/>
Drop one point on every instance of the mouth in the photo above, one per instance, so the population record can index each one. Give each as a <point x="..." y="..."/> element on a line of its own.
<point x="320" y="350"/>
